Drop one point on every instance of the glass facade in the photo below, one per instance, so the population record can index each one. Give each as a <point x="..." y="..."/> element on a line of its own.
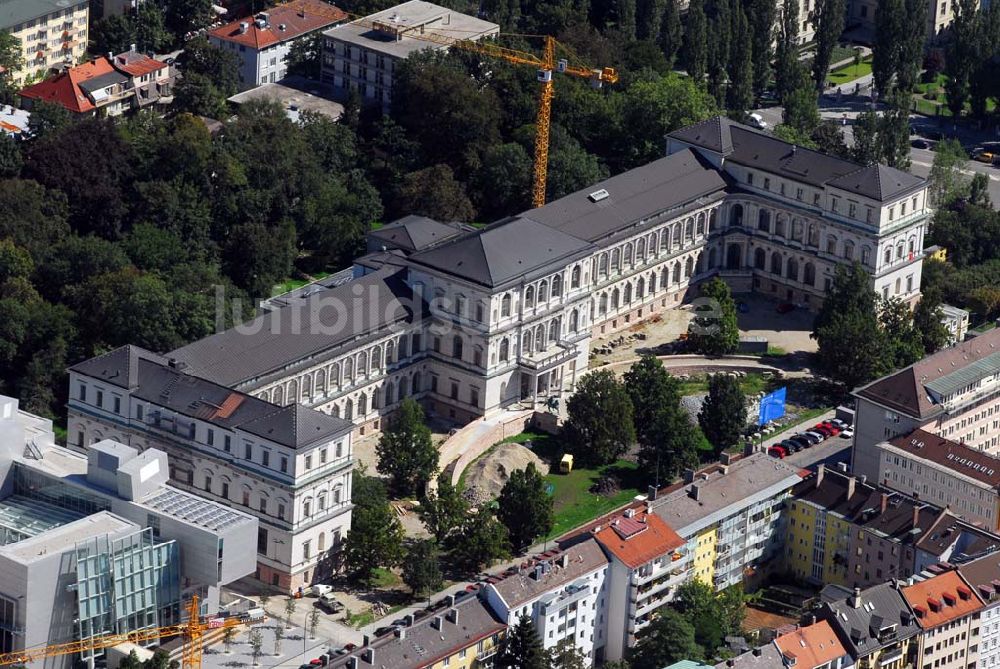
<point x="127" y="584"/>
<point x="38" y="486"/>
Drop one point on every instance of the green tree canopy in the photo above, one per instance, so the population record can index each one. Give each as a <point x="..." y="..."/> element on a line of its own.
<point x="481" y="541"/>
<point x="421" y="571"/>
<point x="525" y="508"/>
<point x="406" y="453"/>
<point x="599" y="427"/>
<point x="670" y="638"/>
<point x="723" y="415"/>
<point x="443" y="510"/>
<point x="714" y="330"/>
<point x="522" y="649"/>
<point x="376" y="536"/>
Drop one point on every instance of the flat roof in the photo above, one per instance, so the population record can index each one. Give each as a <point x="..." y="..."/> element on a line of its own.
<point x="411" y="16"/>
<point x="193" y="509"/>
<point x="66" y="537"/>
<point x="16" y="12"/>
<point x="296" y="95"/>
<point x="31" y="516"/>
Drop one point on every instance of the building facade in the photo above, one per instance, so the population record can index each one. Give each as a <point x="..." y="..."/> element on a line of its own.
<point x="363" y="55"/>
<point x="53" y="34"/>
<point x="289" y="467"/>
<point x="954" y="393"/>
<point x="262" y="42"/>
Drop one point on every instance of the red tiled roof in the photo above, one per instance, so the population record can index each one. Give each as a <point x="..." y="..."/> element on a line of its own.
<point x="925" y="598"/>
<point x="298" y="17"/>
<point x="813" y="646"/>
<point x="64" y="89"/>
<point x="635" y="547"/>
<point x="137" y="64"/>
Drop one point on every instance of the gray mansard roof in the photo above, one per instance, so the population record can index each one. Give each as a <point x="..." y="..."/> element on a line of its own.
<point x="503" y="252"/>
<point x="154" y="380"/>
<point x="858" y="622"/>
<point x="664" y="185"/>
<point x="745" y="146"/>
<point x="344" y="314"/>
<point x="415" y="233"/>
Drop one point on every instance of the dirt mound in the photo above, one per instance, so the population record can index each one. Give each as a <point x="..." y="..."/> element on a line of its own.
<point x="486" y="476"/>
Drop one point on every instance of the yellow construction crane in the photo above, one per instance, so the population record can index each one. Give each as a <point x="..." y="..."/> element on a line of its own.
<point x="193" y="632"/>
<point x="545" y="64"/>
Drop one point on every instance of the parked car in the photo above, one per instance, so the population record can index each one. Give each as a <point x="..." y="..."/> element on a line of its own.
<point x="848" y="433"/>
<point x="382" y="631"/>
<point x="755" y="120"/>
<point x="801" y="440"/>
<point x="329" y="603"/>
<point x="839" y="423"/>
<point x="822" y="430"/>
<point x="320" y="589"/>
<point x="777" y="452"/>
<point x="813" y="437"/>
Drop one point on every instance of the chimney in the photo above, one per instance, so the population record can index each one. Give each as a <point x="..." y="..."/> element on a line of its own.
<point x="855" y="600"/>
<point x="756" y="652"/>
<point x="694" y="492"/>
<point x="863" y="479"/>
<point x="651" y="493"/>
<point x="842" y="466"/>
<point x="131" y="47"/>
<point x="850" y="487"/>
<point x="726" y="458"/>
<point x="564" y="560"/>
<point x="365" y="640"/>
<point x="688" y="475"/>
<point x="537" y="574"/>
<point x="436" y="623"/>
<point x="408" y="619"/>
<point x="450" y="599"/>
<point x="453" y="616"/>
<point x="369" y="655"/>
<point x="820" y="471"/>
<point x="352" y="662"/>
<point x="244" y="26"/>
<point x="884" y="503"/>
<point x="812" y="619"/>
<point x="916" y="515"/>
<point x="400" y="632"/>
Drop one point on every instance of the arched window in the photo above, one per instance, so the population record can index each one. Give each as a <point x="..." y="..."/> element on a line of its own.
<point x="321" y="542"/>
<point x="689" y="268"/>
<point x="712" y="259"/>
<point x="677" y="272"/>
<point x="734" y="256"/>
<point x="899" y="251"/>
<point x="348" y="370"/>
<point x="736" y="215"/>
<point x="293" y="391"/>
<point x="338" y="495"/>
<point x="713" y="219"/>
<point x="813" y="235"/>
<point x="759" y="258"/>
<point x="701" y="224"/>
<point x="279" y="396"/>
<point x="417" y="385"/>
<point x="664" y="278"/>
<point x="652" y="282"/>
<point x="675" y="235"/>
<point x="796" y="230"/>
<point x="543" y="291"/>
<point x="640" y="251"/>
<point x="689" y="230"/>
<point x="556" y="286"/>
<point x="504" y="350"/>
<point x="505" y="305"/>
<point x="603" y="304"/>
<point x="664" y="239"/>
<point x="306" y="387"/>
<point x="529" y="297"/>
<point x="376" y="358"/>
<point x="456" y="347"/>
<point x="792" y="269"/>
<point x="554" y="330"/>
<point x="362" y="363"/>
<point x="574" y="277"/>
<point x="776" y="263"/>
<point x="321" y="501"/>
<point x="640" y="287"/>
<point x="404" y="383"/>
<point x="615" y="299"/>
<point x="628" y="293"/>
<point x="377" y="399"/>
<point x="349" y="410"/>
<point x="810" y="274"/>
<point x="526" y="340"/>
<point x="335" y="376"/>
<point x="602" y="265"/>
<point x="321" y="381"/>
<point x="866" y="255"/>
<point x="362" y="405"/>
<point x="831" y="245"/>
<point x="651" y="244"/>
<point x="574" y="320"/>
<point x="848" y="250"/>
<point x="616" y="260"/>
<point x="307" y="507"/>
<point x="888" y="256"/>
<point x="764" y="220"/>
<point x="540" y="338"/>
<point x="779" y="225"/>
<point x="628" y="255"/>
<point x="390" y="352"/>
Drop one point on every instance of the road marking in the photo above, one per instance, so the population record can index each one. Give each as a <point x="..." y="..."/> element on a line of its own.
<point x="991" y="177"/>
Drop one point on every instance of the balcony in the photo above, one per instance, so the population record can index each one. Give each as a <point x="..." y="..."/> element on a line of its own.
<point x="539" y="361"/>
<point x="484" y="655"/>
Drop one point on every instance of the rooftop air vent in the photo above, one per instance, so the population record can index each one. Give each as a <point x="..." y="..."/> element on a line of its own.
<point x="599" y="195"/>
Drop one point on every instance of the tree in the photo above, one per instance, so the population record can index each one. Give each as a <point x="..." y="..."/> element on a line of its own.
<point x="671" y="37"/>
<point x="185" y="16"/>
<point x="894" y="132"/>
<point x="312" y="622"/>
<point x="481" y="541"/>
<point x="719" y="42"/>
<point x="947" y="182"/>
<point x="10" y="157"/>
<point x="787" y="50"/>
<point x="47" y="118"/>
<point x="670" y="638"/>
<point x="566" y="656"/>
<point x="961" y="53"/>
<point x="228" y="636"/>
<point x="713" y="330"/>
<point x="912" y="46"/>
<point x="763" y="14"/>
<point x="599" y="427"/>
<point x="829" y="138"/>
<point x="695" y="53"/>
<point x="160" y="660"/>
<point x="376" y="535"/>
<point x="258" y="255"/>
<point x="279" y="634"/>
<point x="522" y="649"/>
<point x="443" y="510"/>
<point x="113" y="34"/>
<point x="740" y="93"/>
<point x="904" y="342"/>
<point x="434" y="192"/>
<point x="664" y="432"/>
<point x="890" y="27"/>
<point x="525" y="508"/>
<point x="801" y="107"/>
<point x="197" y="94"/>
<point x="406" y="453"/>
<point x="305" y="57"/>
<point x="150" y="25"/>
<point x="502" y="184"/>
<point x="866" y="128"/>
<point x="256" y="644"/>
<point x="847" y="330"/>
<point x="828" y="19"/>
<point x="219" y="66"/>
<point x="421" y="571"/>
<point x="290" y="605"/>
<point x="723" y="415"/>
<point x="713" y="615"/>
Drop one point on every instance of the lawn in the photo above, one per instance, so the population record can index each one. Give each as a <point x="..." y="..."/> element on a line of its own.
<point x="850" y="72"/>
<point x="751" y="385"/>
<point x="931" y="99"/>
<point x="292" y="284"/>
<point x="573" y="502"/>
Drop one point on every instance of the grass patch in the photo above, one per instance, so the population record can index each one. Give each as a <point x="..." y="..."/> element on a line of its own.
<point x="840" y="53"/>
<point x="751" y="384"/>
<point x="359" y="620"/>
<point x="985" y="327"/>
<point x="60" y="434"/>
<point x="850" y="72"/>
<point x="384" y="578"/>
<point x="806" y="416"/>
<point x="292" y="284"/>
<point x="573" y="502"/>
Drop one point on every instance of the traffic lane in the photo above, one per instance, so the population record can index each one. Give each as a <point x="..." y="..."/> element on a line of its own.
<point x="921" y="161"/>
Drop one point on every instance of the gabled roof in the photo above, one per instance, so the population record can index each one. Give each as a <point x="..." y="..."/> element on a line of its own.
<point x="959" y="458"/>
<point x="503" y="252"/>
<point x="863" y="621"/>
<point x="636" y="548"/>
<point x="287" y="21"/>
<point x="561" y="570"/>
<point x="65" y="88"/>
<point x="905" y="390"/>
<point x="811" y="647"/>
<point x="878" y="182"/>
<point x="712" y="134"/>
<point x="941" y="599"/>
<point x="137" y="64"/>
<point x="119" y="367"/>
<point x="415" y="233"/>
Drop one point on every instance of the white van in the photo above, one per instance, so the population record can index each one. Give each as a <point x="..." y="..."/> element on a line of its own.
<point x="320" y="589"/>
<point x="757" y="121"/>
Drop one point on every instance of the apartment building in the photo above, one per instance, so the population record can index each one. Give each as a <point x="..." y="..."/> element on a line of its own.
<point x="53" y="33"/>
<point x="875" y="626"/>
<point x="730" y="517"/>
<point x="954" y="393"/>
<point x="945" y="473"/>
<point x="956" y="321"/>
<point x="563" y="594"/>
<point x="262" y="42"/>
<point x="947" y="611"/>
<point x="98" y="543"/>
<point x="984" y="576"/>
<point x="363" y="55"/>
<point x="812" y="646"/>
<point x="106" y="86"/>
<point x="463" y="634"/>
<point x="290" y="467"/>
<point x="646" y="564"/>
<point x="847" y="532"/>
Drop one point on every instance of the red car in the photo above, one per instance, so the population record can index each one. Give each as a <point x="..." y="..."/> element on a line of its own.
<point x="830" y="427"/>
<point x="777" y="452"/>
